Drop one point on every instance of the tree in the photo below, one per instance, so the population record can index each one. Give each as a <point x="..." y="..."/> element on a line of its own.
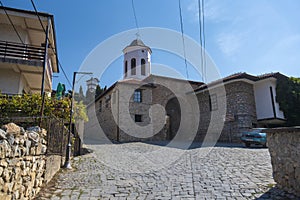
<point x="288" y="97"/>
<point x="79" y="96"/>
<point x="89" y="97"/>
<point x="98" y="91"/>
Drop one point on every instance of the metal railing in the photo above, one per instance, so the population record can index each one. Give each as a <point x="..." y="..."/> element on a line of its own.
<point x="21" y="51"/>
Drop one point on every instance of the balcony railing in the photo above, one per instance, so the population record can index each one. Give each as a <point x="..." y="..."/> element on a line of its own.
<point x="14" y="50"/>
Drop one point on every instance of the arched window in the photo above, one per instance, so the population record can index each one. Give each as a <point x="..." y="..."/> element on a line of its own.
<point x="133" y="66"/>
<point x="143" y="66"/>
<point x="126" y="69"/>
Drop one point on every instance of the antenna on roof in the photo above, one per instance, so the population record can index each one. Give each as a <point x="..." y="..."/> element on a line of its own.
<point x="138" y="36"/>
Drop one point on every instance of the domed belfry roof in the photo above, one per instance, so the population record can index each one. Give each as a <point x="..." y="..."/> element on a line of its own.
<point x="136" y="43"/>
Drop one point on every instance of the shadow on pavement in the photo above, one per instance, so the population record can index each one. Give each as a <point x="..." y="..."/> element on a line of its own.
<point x="177" y="145"/>
<point x="277" y="193"/>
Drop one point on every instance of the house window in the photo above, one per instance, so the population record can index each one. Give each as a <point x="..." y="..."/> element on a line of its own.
<point x="133" y="66"/>
<point x="100" y="106"/>
<point x="138" y="118"/>
<point x="213" y="102"/>
<point x="143" y="67"/>
<point x="126" y="68"/>
<point x="137" y="96"/>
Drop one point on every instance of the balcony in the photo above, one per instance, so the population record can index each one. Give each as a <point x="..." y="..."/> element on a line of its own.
<point x="12" y="52"/>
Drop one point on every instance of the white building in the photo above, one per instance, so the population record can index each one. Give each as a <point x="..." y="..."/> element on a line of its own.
<point x="22" y="51"/>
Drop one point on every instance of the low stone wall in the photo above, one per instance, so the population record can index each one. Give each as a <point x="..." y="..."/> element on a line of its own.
<point x="284" y="147"/>
<point x="24" y="166"/>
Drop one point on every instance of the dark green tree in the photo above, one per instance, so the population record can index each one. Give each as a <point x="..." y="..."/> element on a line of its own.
<point x="98" y="91"/>
<point x="79" y="96"/>
<point x="89" y="97"/>
<point x="288" y="97"/>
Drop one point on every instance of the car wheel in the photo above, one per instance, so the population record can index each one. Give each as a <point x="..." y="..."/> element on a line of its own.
<point x="247" y="144"/>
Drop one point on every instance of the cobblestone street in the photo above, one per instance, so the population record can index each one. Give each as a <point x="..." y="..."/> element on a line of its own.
<point x="145" y="171"/>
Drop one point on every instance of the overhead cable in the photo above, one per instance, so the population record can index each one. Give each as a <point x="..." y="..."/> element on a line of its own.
<point x="182" y="36"/>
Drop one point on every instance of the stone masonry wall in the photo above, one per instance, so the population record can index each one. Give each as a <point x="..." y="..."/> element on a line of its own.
<point x="239" y="106"/>
<point x="284" y="148"/>
<point x="23" y="162"/>
<point x="103" y="108"/>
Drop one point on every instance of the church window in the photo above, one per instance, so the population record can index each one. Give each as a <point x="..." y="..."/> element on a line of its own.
<point x="137" y="96"/>
<point x="126" y="69"/>
<point x="100" y="106"/>
<point x="133" y="66"/>
<point x="143" y="67"/>
<point x="138" y="118"/>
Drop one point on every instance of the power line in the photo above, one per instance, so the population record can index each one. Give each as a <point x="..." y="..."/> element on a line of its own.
<point x="12" y="23"/>
<point x="64" y="73"/>
<point x="135" y="18"/>
<point x="202" y="38"/>
<point x="204" y="43"/>
<point x="36" y="12"/>
<point x="182" y="36"/>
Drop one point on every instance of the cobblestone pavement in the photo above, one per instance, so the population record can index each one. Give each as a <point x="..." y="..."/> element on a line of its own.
<point x="127" y="171"/>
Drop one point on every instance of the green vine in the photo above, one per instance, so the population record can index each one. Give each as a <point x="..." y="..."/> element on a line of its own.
<point x="30" y="106"/>
<point x="288" y="97"/>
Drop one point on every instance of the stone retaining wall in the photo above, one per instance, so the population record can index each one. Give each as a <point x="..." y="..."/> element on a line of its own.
<point x="284" y="147"/>
<point x="24" y="166"/>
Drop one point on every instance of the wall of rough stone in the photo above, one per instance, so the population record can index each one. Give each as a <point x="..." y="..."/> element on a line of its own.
<point x="235" y="99"/>
<point x="284" y="148"/>
<point x="24" y="166"/>
<point x="239" y="104"/>
<point x="172" y="95"/>
<point x="103" y="108"/>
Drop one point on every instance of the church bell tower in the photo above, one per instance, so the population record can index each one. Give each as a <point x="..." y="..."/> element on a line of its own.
<point x="137" y="60"/>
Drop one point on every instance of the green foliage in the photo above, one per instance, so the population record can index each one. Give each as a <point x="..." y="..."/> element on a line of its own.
<point x="288" y="97"/>
<point x="30" y="106"/>
<point x="99" y="91"/>
<point x="80" y="111"/>
<point x="79" y="96"/>
<point x="90" y="96"/>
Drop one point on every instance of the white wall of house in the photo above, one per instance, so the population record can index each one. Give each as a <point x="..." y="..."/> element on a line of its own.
<point x="263" y="99"/>
<point x="7" y="33"/>
<point x="9" y="81"/>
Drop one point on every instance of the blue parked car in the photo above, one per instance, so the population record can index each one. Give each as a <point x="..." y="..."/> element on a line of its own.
<point x="255" y="136"/>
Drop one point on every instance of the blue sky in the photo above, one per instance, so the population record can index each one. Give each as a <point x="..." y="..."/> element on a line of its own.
<point x="254" y="36"/>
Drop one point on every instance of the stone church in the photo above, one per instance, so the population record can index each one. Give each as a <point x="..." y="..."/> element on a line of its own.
<point x="147" y="107"/>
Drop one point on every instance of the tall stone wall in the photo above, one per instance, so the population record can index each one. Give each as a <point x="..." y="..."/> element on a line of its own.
<point x="284" y="148"/>
<point x="24" y="166"/>
<point x="104" y="113"/>
<point x="239" y="104"/>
